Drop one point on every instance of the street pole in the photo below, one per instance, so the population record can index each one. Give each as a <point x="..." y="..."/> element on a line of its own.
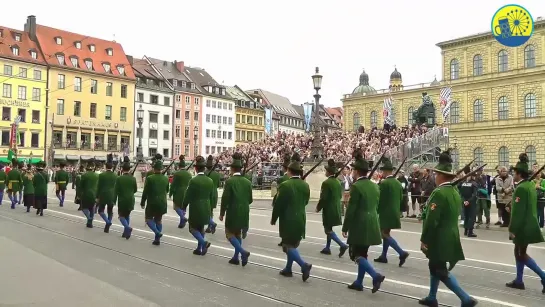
<point x="52" y="145"/>
<point x="317" y="147"/>
<point x="140" y="154"/>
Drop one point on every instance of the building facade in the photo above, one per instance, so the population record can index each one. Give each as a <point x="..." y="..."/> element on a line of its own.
<point x="218" y="111"/>
<point x="497" y="107"/>
<point x="24" y="81"/>
<point x="289" y="120"/>
<point x="187" y="107"/>
<point x="337" y="114"/>
<point x="91" y="95"/>
<point x="156" y="98"/>
<point x="249" y="117"/>
<point x="258" y="96"/>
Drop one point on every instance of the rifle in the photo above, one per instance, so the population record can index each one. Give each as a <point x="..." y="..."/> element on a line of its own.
<point x="400" y="166"/>
<point x="134" y="169"/>
<point x="375" y="167"/>
<point x="313" y="168"/>
<point x="166" y="169"/>
<point x="190" y="165"/>
<point x="537" y="173"/>
<point x="340" y="170"/>
<point x="473" y="172"/>
<point x="467" y="165"/>
<point x="213" y="167"/>
<point x="251" y="167"/>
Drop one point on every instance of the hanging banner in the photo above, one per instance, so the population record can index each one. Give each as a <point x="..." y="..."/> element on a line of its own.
<point x="307" y="110"/>
<point x="268" y="120"/>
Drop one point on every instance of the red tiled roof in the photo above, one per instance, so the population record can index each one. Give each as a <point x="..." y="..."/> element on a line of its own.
<point x="335" y="111"/>
<point x="47" y="38"/>
<point x="26" y="45"/>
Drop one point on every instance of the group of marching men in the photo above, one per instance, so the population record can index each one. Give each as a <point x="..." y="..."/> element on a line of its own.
<point x="373" y="211"/>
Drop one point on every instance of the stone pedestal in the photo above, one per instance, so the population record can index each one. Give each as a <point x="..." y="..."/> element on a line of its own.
<point x="315" y="178"/>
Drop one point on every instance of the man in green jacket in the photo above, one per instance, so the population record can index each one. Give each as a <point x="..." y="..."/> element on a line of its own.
<point x="284" y="177"/>
<point x="88" y="193"/>
<point x="14" y="181"/>
<point x="125" y="187"/>
<point x="40" y="180"/>
<point x="199" y="195"/>
<point x="330" y="205"/>
<point x="361" y="225"/>
<point x="215" y="176"/>
<point x="28" y="186"/>
<point x="61" y="181"/>
<point x="524" y="227"/>
<point x="155" y="194"/>
<point x="178" y="187"/>
<point x="389" y="212"/>
<point x="440" y="239"/>
<point x="289" y="208"/>
<point x="235" y="205"/>
<point x="106" y="194"/>
<point x="77" y="183"/>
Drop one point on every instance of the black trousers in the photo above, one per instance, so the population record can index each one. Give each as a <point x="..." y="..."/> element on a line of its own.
<point x="505" y="213"/>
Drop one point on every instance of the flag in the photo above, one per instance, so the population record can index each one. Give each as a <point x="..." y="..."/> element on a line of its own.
<point x="387" y="111"/>
<point x="444" y="97"/>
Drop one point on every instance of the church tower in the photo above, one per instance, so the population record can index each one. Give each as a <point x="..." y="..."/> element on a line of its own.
<point x="396" y="83"/>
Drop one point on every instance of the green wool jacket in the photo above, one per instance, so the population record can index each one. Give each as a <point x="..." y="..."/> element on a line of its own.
<point x="3" y="177"/>
<point x="125" y="187"/>
<point x="361" y="217"/>
<point x="61" y="179"/>
<point x="235" y="202"/>
<point x="524" y="224"/>
<point x="88" y="188"/>
<point x="106" y="187"/>
<point x="155" y="194"/>
<point x="330" y="202"/>
<point x="289" y="208"/>
<point x="198" y="197"/>
<point x="40" y="181"/>
<point x="440" y="228"/>
<point x="28" y="185"/>
<point x="389" y="205"/>
<point x="180" y="182"/>
<point x="14" y="180"/>
<point x="215" y="176"/>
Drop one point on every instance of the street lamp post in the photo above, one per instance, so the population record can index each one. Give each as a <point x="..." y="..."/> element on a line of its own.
<point x="140" y="119"/>
<point x="196" y="140"/>
<point x="317" y="148"/>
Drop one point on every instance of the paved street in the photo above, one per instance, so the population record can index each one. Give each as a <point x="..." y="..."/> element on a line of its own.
<point x="55" y="261"/>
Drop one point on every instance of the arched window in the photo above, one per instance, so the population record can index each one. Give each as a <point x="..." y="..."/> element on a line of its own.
<point x="478" y="65"/>
<point x="478" y="110"/>
<point x="529" y="56"/>
<point x="531" y="152"/>
<point x="530" y="106"/>
<point x="503" y="61"/>
<point x="410" y="119"/>
<point x="503" y="108"/>
<point x="455" y="155"/>
<point x="478" y="155"/>
<point x="356" y="121"/>
<point x="373" y="119"/>
<point x="503" y="156"/>
<point x="454" y="112"/>
<point x="454" y="69"/>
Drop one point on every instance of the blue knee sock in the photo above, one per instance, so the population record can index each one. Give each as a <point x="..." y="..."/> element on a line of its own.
<point x="15" y="200"/>
<point x="236" y="244"/>
<point x="128" y="218"/>
<point x="87" y="214"/>
<point x="393" y="243"/>
<point x="211" y="222"/>
<point x="59" y="196"/>
<point x="159" y="227"/>
<point x="296" y="256"/>
<point x="434" y="286"/>
<point x="361" y="274"/>
<point x="289" y="263"/>
<point x="520" y="270"/>
<point x="532" y="265"/>
<point x="20" y="195"/>
<point x="124" y="222"/>
<point x="362" y="262"/>
<point x="385" y="247"/>
<point x="180" y="212"/>
<point x="110" y="217"/>
<point x="151" y="224"/>
<point x="1" y="196"/>
<point x="335" y="238"/>
<point x="328" y="241"/>
<point x="104" y="217"/>
<point x="453" y="285"/>
<point x="10" y="197"/>
<point x="200" y="238"/>
<point x="62" y="199"/>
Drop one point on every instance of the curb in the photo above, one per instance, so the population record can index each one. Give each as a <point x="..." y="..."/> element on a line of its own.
<point x="492" y="227"/>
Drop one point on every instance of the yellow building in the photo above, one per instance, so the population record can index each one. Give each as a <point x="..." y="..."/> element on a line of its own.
<point x="23" y="77"/>
<point x="249" y="117"/>
<point x="91" y="94"/>
<point x="497" y="92"/>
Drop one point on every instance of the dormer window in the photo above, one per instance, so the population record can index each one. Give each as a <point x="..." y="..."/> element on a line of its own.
<point x="1" y="33"/>
<point x="110" y="51"/>
<point x="15" y="50"/>
<point x="184" y="84"/>
<point x="106" y="67"/>
<point x="78" y="45"/>
<point x="60" y="58"/>
<point x="92" y="48"/>
<point x="58" y="40"/>
<point x="89" y="64"/>
<point x="17" y="37"/>
<point x="74" y="61"/>
<point x="175" y="82"/>
<point x="34" y="54"/>
<point x="121" y="70"/>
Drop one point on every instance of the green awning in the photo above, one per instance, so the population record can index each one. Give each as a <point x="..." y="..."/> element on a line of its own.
<point x="33" y="161"/>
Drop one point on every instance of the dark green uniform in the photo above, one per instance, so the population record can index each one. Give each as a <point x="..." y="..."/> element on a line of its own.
<point x="3" y="177"/>
<point x="125" y="187"/>
<point x="106" y="192"/>
<point x="199" y="196"/>
<point x="40" y="181"/>
<point x="28" y="191"/>
<point x="180" y="182"/>
<point x="330" y="205"/>
<point x="88" y="189"/>
<point x="155" y="194"/>
<point x="235" y="204"/>
<point x="77" y="184"/>
<point x="61" y="180"/>
<point x="289" y="209"/>
<point x="389" y="207"/>
<point x="14" y="181"/>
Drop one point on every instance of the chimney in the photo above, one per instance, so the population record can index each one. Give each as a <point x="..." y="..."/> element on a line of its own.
<point x="130" y="58"/>
<point x="180" y="65"/>
<point x="30" y="27"/>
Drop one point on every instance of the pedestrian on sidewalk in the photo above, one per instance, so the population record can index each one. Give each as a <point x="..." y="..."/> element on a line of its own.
<point x="505" y="188"/>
